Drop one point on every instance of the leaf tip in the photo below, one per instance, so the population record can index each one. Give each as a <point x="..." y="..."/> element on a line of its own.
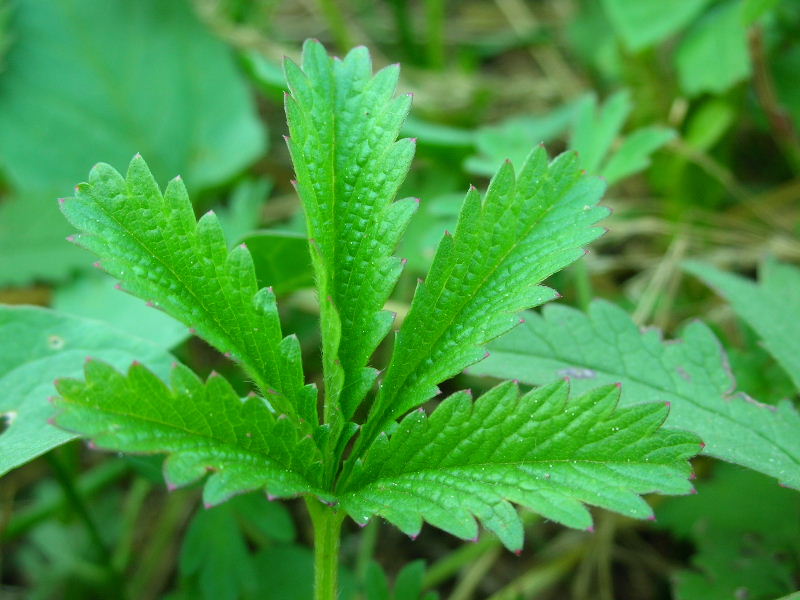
<point x="70" y="239"/>
<point x="590" y="529"/>
<point x="518" y="551"/>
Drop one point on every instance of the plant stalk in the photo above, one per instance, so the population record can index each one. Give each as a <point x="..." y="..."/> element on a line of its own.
<point x="327" y="522"/>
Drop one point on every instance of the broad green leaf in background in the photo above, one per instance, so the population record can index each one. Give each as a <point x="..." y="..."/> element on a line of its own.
<point x="771" y="307"/>
<point x="95" y="296"/>
<point x="281" y="260"/>
<point x="513" y="138"/>
<point x="243" y="213"/>
<point x="344" y="124"/>
<point x="202" y="426"/>
<point x="216" y="561"/>
<point x="747" y="548"/>
<point x="596" y="129"/>
<point x="714" y="54"/>
<point x="85" y="80"/>
<point x="37" y="345"/>
<point x="215" y="557"/>
<point x="470" y="459"/>
<point x="605" y="346"/>
<point x="408" y="584"/>
<point x="527" y="227"/>
<point x="151" y="242"/>
<point x="643" y="23"/>
<point x="594" y="132"/>
<point x="291" y="574"/>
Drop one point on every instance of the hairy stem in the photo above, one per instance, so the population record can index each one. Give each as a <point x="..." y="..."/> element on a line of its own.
<point x="327" y="522"/>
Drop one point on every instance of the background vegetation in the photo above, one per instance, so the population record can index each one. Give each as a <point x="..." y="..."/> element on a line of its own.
<point x="690" y="110"/>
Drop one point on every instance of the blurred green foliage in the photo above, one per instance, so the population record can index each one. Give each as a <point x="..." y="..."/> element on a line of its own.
<point x="690" y="109"/>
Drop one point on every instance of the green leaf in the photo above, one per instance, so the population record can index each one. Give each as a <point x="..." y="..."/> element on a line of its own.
<point x="344" y="123"/>
<point x="513" y="138"/>
<point x="643" y="23"/>
<point x="288" y="572"/>
<point x="526" y="228"/>
<point x="542" y="450"/>
<point x="281" y="260"/>
<point x="596" y="129"/>
<point x="94" y="296"/>
<point x="243" y="213"/>
<point x="152" y="244"/>
<point x="34" y="249"/>
<point x="605" y="346"/>
<point x="714" y="54"/>
<point x="201" y="426"/>
<point x="633" y="154"/>
<point x="215" y="554"/>
<point x="38" y="345"/>
<point x="743" y="549"/>
<point x="771" y="307"/>
<point x="84" y="81"/>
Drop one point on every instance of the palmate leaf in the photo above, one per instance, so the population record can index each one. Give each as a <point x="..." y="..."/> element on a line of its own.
<point x="526" y="228"/>
<point x="771" y="307"/>
<point x="543" y="450"/>
<point x="605" y="346"/>
<point x="202" y="426"/>
<point x="151" y="242"/>
<point x="344" y="123"/>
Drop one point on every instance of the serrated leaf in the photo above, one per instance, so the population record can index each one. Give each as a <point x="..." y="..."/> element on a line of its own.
<point x="771" y="307"/>
<point x="469" y="460"/>
<point x="605" y="346"/>
<point x="526" y="228"/>
<point x="202" y="426"/>
<point x="36" y="346"/>
<point x="151" y="242"/>
<point x="344" y="124"/>
<point x="85" y="80"/>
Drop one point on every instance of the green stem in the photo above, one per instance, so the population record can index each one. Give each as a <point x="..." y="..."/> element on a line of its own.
<point x="76" y="502"/>
<point x="87" y="485"/>
<point x="337" y="24"/>
<point x="434" y="17"/>
<point x="327" y="522"/>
